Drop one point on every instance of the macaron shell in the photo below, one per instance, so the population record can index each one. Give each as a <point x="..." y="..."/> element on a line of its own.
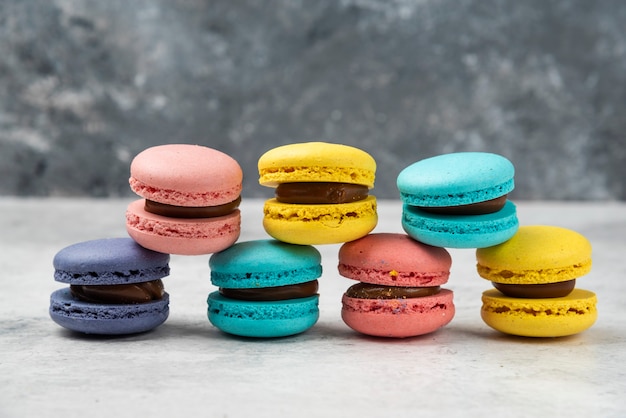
<point x="264" y="263"/>
<point x="181" y="236"/>
<point x="109" y="261"/>
<point x="266" y="255"/>
<point x="316" y="162"/>
<point x="456" y="179"/>
<point x="262" y="319"/>
<point x="93" y="318"/>
<point x="394" y="260"/>
<point x="398" y="318"/>
<point x="319" y="224"/>
<point x="536" y="254"/>
<point x="461" y="231"/>
<point x="186" y="175"/>
<point x="552" y="317"/>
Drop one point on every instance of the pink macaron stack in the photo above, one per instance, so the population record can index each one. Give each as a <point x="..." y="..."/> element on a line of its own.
<point x="399" y="293"/>
<point x="190" y="198"/>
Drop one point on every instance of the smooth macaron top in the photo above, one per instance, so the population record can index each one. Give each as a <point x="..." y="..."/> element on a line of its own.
<point x="186" y="175"/>
<point x="536" y="254"/>
<point x="456" y="179"/>
<point x="264" y="263"/>
<point x="395" y="260"/>
<point x="316" y="162"/>
<point x="109" y="261"/>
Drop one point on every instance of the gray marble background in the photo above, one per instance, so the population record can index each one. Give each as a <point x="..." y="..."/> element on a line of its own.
<point x="86" y="85"/>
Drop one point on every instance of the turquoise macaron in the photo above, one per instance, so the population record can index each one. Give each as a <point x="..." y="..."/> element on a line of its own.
<point x="460" y="231"/>
<point x="267" y="288"/>
<point x="459" y="200"/>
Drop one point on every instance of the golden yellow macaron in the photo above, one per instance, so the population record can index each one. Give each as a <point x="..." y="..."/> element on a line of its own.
<point x="535" y="274"/>
<point x="547" y="317"/>
<point x="321" y="193"/>
<point x="319" y="224"/>
<point x="316" y="162"/>
<point x="536" y="254"/>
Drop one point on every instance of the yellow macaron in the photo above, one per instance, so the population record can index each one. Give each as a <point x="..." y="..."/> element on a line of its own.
<point x="319" y="224"/>
<point x="316" y="162"/>
<point x="536" y="254"/>
<point x="535" y="274"/>
<point x="321" y="193"/>
<point x="548" y="317"/>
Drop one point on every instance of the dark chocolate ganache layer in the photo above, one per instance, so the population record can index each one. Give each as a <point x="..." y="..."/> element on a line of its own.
<point x="375" y="291"/>
<point x="480" y="208"/>
<point x="320" y="193"/>
<point x="292" y="291"/>
<point x="119" y="293"/>
<point x="190" y="212"/>
<point x="537" y="291"/>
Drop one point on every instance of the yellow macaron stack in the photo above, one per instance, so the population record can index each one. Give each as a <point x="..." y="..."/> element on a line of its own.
<point x="322" y="193"/>
<point x="534" y="274"/>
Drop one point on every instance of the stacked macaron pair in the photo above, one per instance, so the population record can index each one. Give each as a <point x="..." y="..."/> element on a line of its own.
<point x="534" y="275"/>
<point x="268" y="288"/>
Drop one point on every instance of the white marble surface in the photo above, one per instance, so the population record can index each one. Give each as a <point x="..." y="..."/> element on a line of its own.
<point x="188" y="368"/>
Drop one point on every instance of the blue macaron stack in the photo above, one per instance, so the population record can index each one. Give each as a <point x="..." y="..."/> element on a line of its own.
<point x="115" y="287"/>
<point x="267" y="288"/>
<point x="459" y="200"/>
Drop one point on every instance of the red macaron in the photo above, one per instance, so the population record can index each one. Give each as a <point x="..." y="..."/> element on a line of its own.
<point x="399" y="293"/>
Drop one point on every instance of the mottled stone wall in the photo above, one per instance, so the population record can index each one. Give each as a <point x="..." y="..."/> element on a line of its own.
<point x="85" y="85"/>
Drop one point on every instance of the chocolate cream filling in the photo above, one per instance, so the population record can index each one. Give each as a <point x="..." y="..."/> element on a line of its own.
<point x="292" y="291"/>
<point x="311" y="193"/>
<point x="536" y="291"/>
<point x="117" y="294"/>
<point x="375" y="291"/>
<point x="479" y="208"/>
<point x="172" y="211"/>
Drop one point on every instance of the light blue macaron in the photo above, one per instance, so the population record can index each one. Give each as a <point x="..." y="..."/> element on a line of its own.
<point x="264" y="263"/>
<point x="262" y="319"/>
<point x="460" y="231"/>
<point x="257" y="265"/>
<point x="430" y="186"/>
<point x="456" y="179"/>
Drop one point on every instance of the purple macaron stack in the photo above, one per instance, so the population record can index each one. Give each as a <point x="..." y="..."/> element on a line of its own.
<point x="115" y="287"/>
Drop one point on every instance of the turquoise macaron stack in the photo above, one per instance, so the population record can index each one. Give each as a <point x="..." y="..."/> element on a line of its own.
<point x="459" y="200"/>
<point x="267" y="288"/>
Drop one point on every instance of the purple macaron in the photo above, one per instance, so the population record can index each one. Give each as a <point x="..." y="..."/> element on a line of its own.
<point x="115" y="287"/>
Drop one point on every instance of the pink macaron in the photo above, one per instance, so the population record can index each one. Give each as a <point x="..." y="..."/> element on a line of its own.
<point x="399" y="293"/>
<point x="191" y="196"/>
